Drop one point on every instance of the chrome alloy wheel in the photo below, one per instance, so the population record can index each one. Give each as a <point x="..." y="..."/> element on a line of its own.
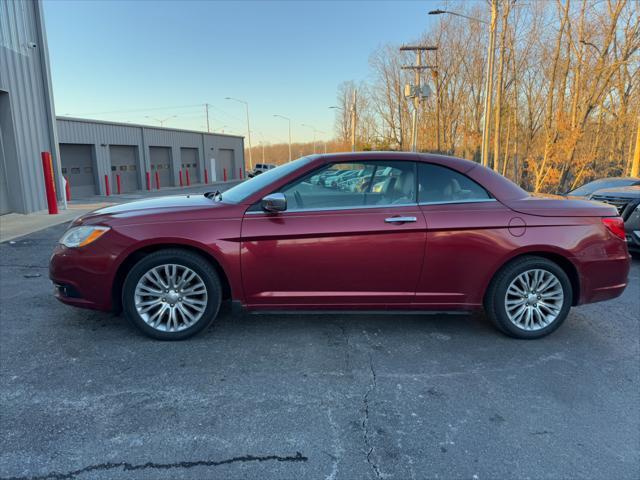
<point x="534" y="299"/>
<point x="170" y="297"/>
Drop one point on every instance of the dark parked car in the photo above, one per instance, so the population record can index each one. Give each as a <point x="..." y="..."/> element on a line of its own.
<point x="433" y="234"/>
<point x="592" y="187"/>
<point x="627" y="201"/>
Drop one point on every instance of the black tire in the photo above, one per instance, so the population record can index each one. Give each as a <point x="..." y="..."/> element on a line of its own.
<point x="494" y="303"/>
<point x="184" y="258"/>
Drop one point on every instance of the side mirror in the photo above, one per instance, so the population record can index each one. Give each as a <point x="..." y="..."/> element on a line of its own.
<point x="274" y="203"/>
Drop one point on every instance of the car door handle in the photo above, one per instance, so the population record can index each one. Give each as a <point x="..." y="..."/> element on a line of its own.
<point x="400" y="219"/>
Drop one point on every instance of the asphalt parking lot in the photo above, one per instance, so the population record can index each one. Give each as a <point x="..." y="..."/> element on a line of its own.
<point x="84" y="396"/>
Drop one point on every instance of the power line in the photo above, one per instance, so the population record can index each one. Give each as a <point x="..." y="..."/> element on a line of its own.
<point x="140" y="110"/>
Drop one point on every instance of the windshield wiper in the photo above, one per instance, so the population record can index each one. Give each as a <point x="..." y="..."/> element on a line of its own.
<point x="217" y="195"/>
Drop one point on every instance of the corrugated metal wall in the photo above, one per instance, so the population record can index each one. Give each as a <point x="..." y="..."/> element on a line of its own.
<point x="26" y="103"/>
<point x="27" y="118"/>
<point x="103" y="134"/>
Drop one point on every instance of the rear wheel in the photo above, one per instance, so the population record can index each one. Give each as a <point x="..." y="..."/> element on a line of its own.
<point x="171" y="294"/>
<point x="529" y="298"/>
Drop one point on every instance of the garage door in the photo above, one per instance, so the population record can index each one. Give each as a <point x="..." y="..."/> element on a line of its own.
<point x="124" y="163"/>
<point x="77" y="167"/>
<point x="160" y="160"/>
<point x="189" y="158"/>
<point x="226" y="160"/>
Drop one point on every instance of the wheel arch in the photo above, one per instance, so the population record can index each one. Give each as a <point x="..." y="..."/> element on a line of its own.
<point x="136" y="255"/>
<point x="558" y="258"/>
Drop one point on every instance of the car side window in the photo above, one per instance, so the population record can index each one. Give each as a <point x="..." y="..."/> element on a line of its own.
<point x="353" y="185"/>
<point x="441" y="184"/>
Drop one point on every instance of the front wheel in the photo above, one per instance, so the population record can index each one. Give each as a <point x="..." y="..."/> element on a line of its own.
<point x="171" y="294"/>
<point x="529" y="298"/>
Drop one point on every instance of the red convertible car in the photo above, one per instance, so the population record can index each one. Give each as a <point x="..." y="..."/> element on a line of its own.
<point x="401" y="232"/>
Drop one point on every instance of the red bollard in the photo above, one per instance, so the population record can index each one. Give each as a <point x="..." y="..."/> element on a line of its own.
<point x="180" y="177"/>
<point x="106" y="185"/>
<point x="240" y="171"/>
<point x="157" y="180"/>
<point x="49" y="185"/>
<point x="224" y="176"/>
<point x="149" y="181"/>
<point x="118" y="183"/>
<point x="67" y="189"/>
<point x="206" y="176"/>
<point x="188" y="179"/>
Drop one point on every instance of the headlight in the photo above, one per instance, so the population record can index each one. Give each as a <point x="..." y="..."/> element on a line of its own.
<point x="81" y="236"/>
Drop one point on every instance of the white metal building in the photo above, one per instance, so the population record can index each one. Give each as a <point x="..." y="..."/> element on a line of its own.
<point x="92" y="149"/>
<point x="27" y="116"/>
<point x="83" y="150"/>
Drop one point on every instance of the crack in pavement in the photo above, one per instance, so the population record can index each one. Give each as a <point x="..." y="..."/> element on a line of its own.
<point x="129" y="467"/>
<point x="338" y="448"/>
<point x="365" y="420"/>
<point x="22" y="266"/>
<point x="345" y="335"/>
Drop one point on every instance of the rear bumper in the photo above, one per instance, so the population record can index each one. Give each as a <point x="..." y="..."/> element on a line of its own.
<point x="82" y="277"/>
<point x="603" y="279"/>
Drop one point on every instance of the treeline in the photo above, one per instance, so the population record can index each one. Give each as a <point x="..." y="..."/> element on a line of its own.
<point x="565" y="91"/>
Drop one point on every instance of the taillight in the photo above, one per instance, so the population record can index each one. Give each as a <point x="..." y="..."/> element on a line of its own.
<point x="615" y="225"/>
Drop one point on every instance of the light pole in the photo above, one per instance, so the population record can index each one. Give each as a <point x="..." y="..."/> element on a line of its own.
<point x="288" y="120"/>
<point x="315" y="130"/>
<point x="352" y="111"/>
<point x="161" y="121"/>
<point x="246" y="105"/>
<point x="489" y="76"/>
<point x="262" y="145"/>
<point x="261" y="142"/>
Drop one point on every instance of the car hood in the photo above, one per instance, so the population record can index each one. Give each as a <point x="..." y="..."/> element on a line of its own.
<point x="620" y="192"/>
<point x="173" y="201"/>
<point x="168" y="208"/>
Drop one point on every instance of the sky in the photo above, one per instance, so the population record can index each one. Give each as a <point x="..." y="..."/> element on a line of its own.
<point x="145" y="61"/>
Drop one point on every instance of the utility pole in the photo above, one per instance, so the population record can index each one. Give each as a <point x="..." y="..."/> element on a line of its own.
<point x="354" y="117"/>
<point x="416" y="91"/>
<point x="246" y="105"/>
<point x="635" y="163"/>
<point x="488" y="89"/>
<point x="206" y="110"/>
<point x="499" y="84"/>
<point x="436" y="80"/>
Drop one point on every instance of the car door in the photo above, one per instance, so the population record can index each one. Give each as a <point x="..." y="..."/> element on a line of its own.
<point x="467" y="230"/>
<point x="337" y="246"/>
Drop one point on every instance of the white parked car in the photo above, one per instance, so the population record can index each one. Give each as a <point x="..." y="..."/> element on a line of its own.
<point x="261" y="168"/>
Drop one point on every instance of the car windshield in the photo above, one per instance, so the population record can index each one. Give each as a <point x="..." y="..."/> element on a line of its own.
<point x="603" y="183"/>
<point x="247" y="188"/>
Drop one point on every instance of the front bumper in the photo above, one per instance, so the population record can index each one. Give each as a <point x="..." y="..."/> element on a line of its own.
<point x="632" y="231"/>
<point x="82" y="277"/>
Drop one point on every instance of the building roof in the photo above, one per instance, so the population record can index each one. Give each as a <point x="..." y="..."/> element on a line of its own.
<point x="140" y="125"/>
